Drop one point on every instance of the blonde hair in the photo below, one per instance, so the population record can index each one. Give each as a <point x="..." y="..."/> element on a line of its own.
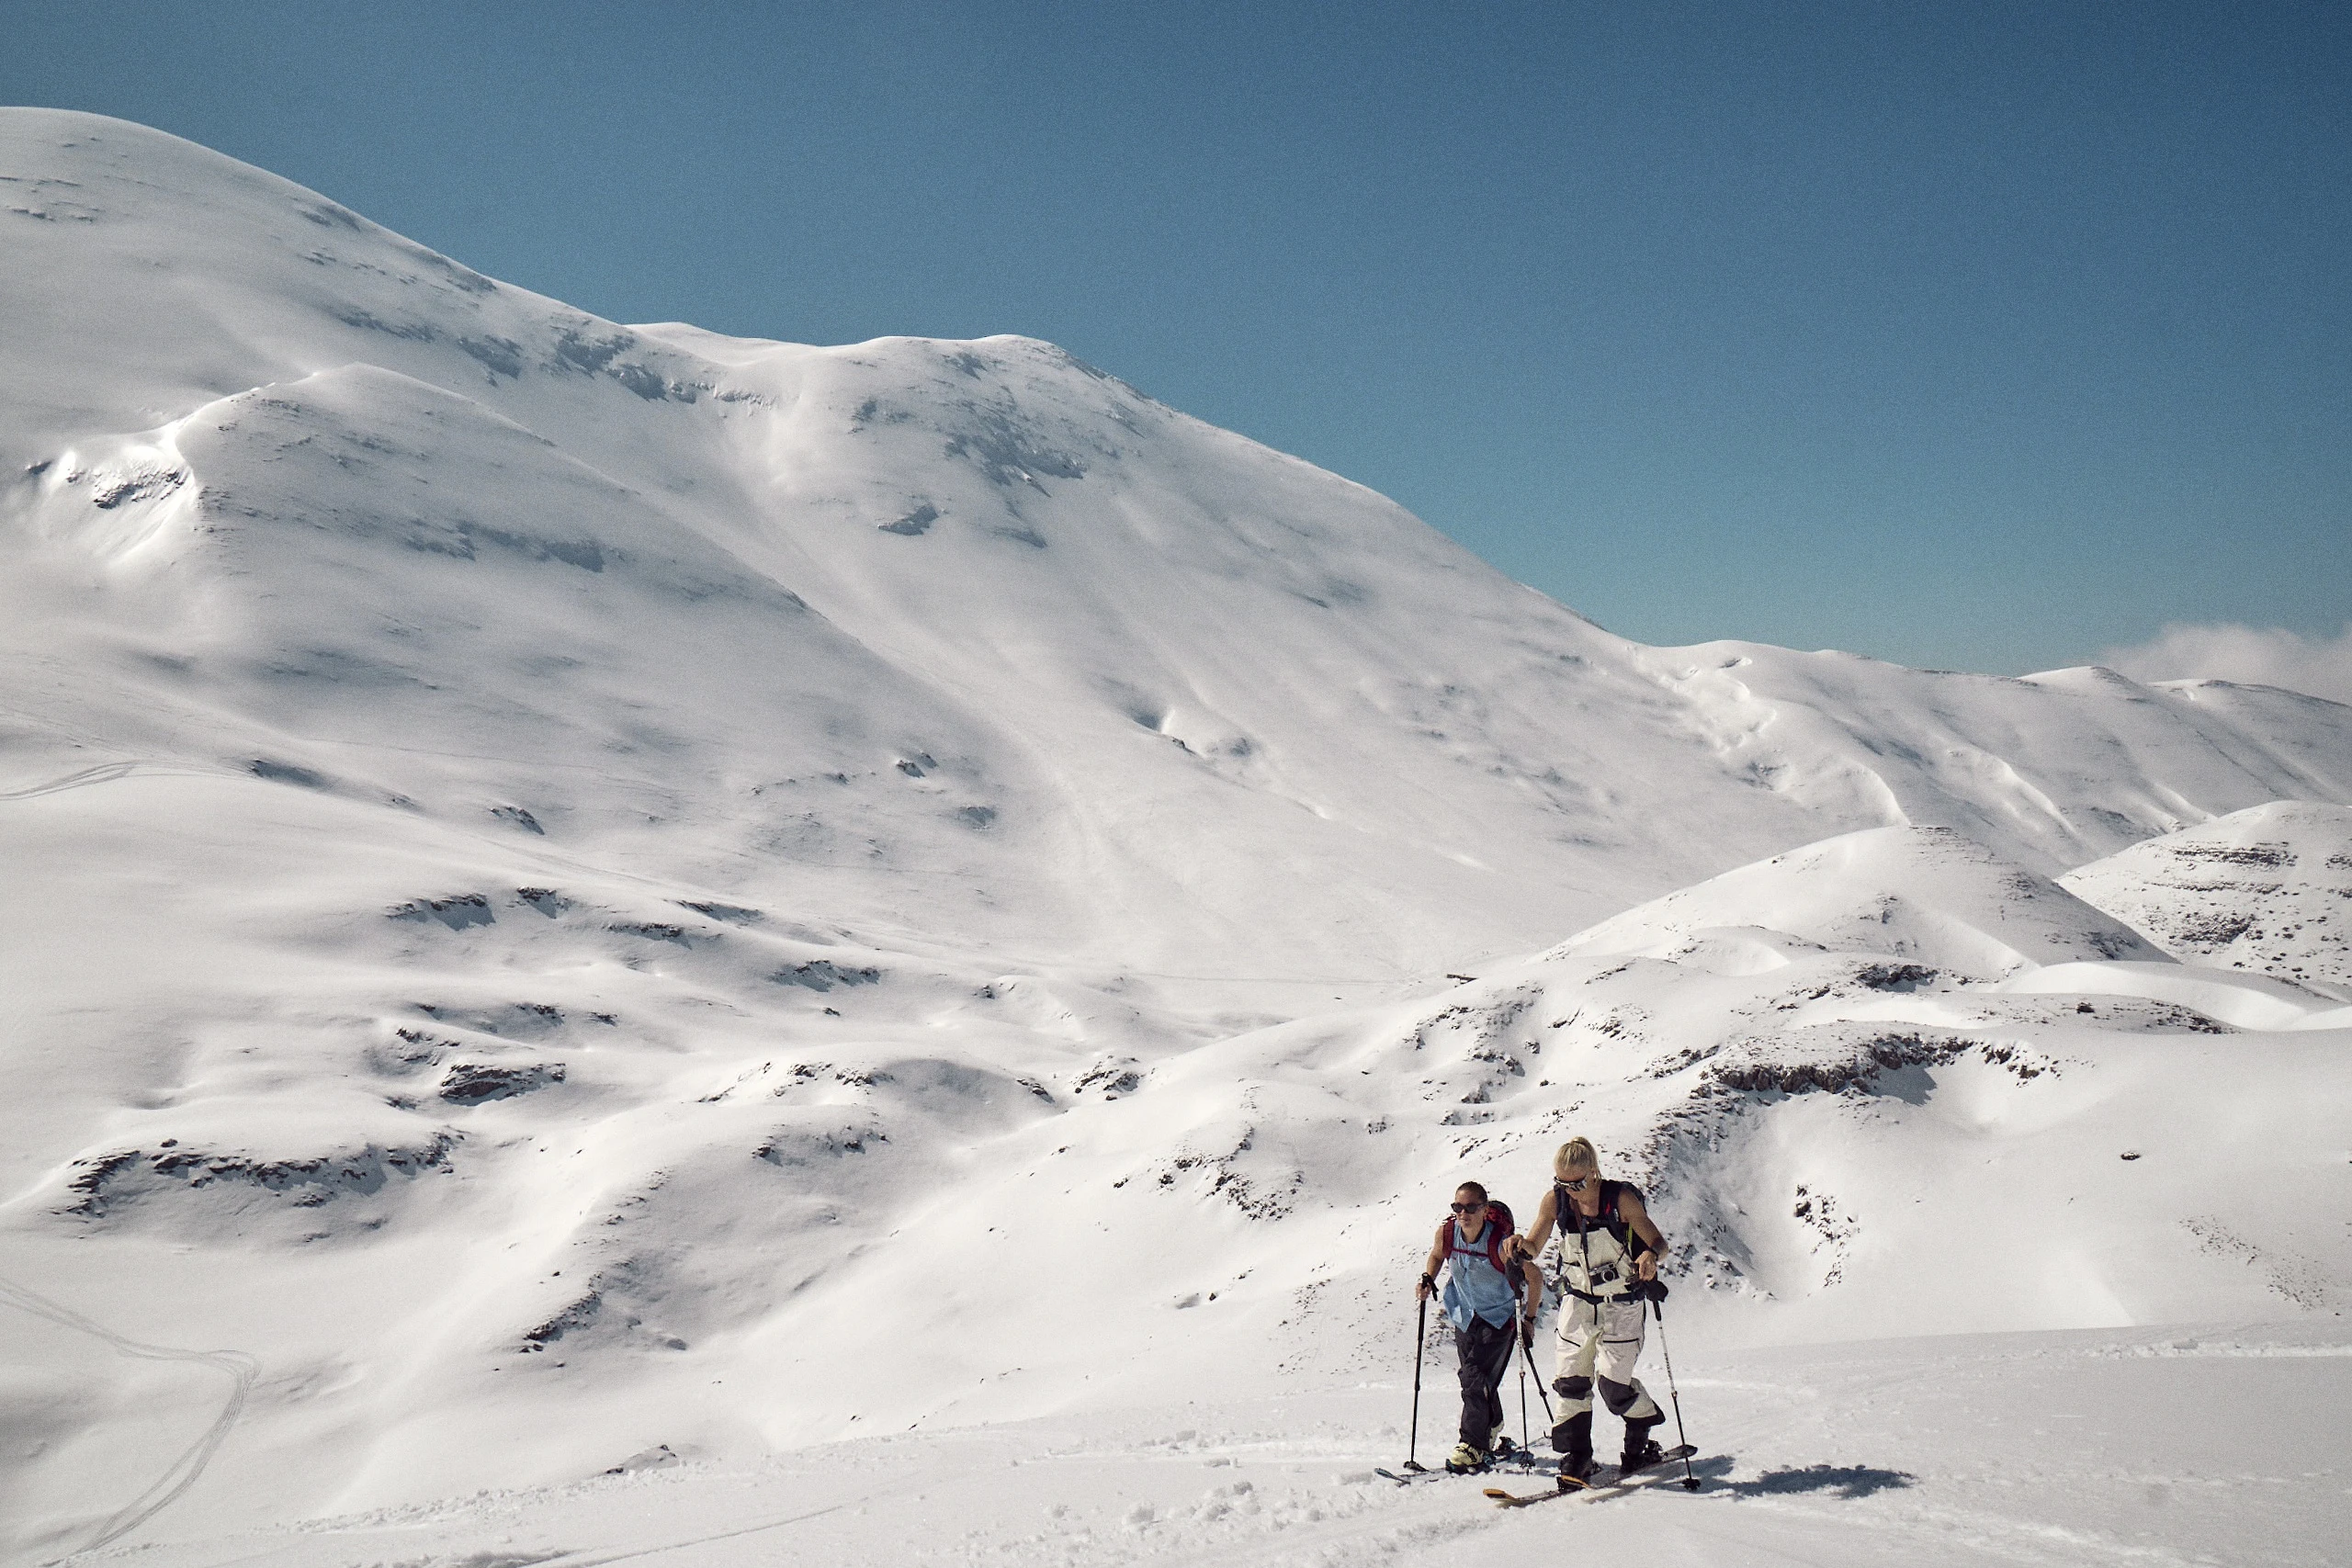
<point x="1577" y="1153"/>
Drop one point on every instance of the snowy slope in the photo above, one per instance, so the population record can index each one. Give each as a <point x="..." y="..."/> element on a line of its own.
<point x="2216" y="1445"/>
<point x="573" y="887"/>
<point x="1226" y="700"/>
<point x="2268" y="889"/>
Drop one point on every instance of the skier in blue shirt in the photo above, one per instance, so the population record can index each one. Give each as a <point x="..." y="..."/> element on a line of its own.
<point x="1482" y="1299"/>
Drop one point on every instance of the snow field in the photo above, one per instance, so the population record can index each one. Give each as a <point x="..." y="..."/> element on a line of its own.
<point x="2207" y="1444"/>
<point x="571" y="890"/>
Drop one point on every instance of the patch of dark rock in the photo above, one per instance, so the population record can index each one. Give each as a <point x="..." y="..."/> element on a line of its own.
<point x="457" y="913"/>
<point x="476" y="1083"/>
<point x="1011" y="454"/>
<point x="369" y="321"/>
<point x="2211" y="929"/>
<point x="584" y="351"/>
<point x="499" y="356"/>
<point x="1112" y="1076"/>
<point x="570" y="1320"/>
<point x="128" y="1174"/>
<point x="824" y="974"/>
<point x="1859" y="1071"/>
<point x="652" y="931"/>
<point x="327" y="215"/>
<point x="915" y="523"/>
<point x="286" y="772"/>
<point x="796" y="1147"/>
<point x="546" y="901"/>
<point x="416" y="1047"/>
<point x="521" y="819"/>
<point x="2274" y="855"/>
<point x="1903" y="977"/>
<point x="647" y="384"/>
<point x="111" y="493"/>
<point x="585" y="553"/>
<point x="733" y="914"/>
<point x="463" y="277"/>
<point x="873" y="412"/>
<point x="977" y="815"/>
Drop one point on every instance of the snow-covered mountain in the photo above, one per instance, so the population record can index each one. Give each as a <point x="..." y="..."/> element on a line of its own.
<point x="2268" y="890"/>
<point x="576" y="887"/>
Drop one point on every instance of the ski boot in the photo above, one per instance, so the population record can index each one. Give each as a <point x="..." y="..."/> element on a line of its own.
<point x="1573" y="1438"/>
<point x="1465" y="1458"/>
<point x="1641" y="1453"/>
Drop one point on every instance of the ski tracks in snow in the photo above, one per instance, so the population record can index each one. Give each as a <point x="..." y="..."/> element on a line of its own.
<point x="2117" y="1449"/>
<point x="183" y="1472"/>
<point x="105" y="772"/>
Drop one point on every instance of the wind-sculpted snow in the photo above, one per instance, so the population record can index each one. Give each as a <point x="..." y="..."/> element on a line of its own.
<point x="1857" y="892"/>
<point x="581" y="891"/>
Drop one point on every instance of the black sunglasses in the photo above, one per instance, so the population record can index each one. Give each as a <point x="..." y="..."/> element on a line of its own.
<point x="1467" y="1208"/>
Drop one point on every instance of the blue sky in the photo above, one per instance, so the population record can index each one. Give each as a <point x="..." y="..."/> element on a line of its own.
<point x="1975" y="335"/>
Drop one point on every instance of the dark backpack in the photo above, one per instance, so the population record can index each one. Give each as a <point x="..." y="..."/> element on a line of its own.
<point x="1566" y="1217"/>
<point x="1500" y="1229"/>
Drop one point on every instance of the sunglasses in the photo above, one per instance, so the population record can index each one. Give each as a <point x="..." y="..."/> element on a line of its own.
<point x="1578" y="1185"/>
<point x="1467" y="1208"/>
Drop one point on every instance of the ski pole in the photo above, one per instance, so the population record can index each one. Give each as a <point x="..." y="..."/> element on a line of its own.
<point x="1689" y="1482"/>
<point x="1413" y="1441"/>
<point x="1523" y="1436"/>
<point x="1527" y="1346"/>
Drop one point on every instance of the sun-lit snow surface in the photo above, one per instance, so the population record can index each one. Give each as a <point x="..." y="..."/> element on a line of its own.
<point x="2215" y="1445"/>
<point x="573" y="888"/>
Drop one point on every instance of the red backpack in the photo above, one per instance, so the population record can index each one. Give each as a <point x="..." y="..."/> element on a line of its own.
<point x="1499" y="1228"/>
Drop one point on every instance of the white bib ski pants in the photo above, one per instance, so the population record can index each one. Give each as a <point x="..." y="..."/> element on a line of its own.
<point x="1600" y="1342"/>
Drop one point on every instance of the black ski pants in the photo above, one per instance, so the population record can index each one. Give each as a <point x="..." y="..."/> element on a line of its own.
<point x="1486" y="1350"/>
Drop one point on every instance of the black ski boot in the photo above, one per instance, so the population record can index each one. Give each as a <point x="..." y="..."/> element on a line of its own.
<point x="1573" y="1438"/>
<point x="1640" y="1452"/>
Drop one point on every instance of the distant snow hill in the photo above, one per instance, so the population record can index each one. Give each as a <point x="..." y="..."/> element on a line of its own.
<point x="574" y="888"/>
<point x="2268" y="888"/>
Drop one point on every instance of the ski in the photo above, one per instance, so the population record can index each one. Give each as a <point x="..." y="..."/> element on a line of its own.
<point x="1613" y="1482"/>
<point x="1512" y="1460"/>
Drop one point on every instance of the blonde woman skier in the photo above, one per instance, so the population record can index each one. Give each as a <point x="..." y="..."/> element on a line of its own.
<point x="1608" y="1259"/>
